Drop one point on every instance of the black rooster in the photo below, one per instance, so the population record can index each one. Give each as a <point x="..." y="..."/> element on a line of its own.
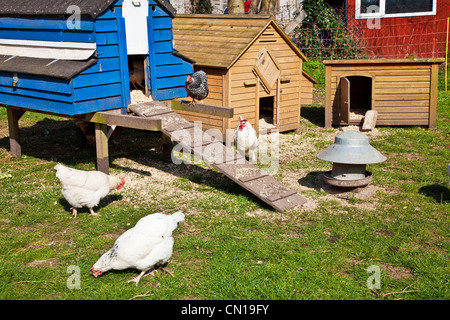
<point x="197" y="86"/>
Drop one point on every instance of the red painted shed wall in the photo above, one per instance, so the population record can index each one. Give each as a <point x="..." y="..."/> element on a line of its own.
<point x="402" y="37"/>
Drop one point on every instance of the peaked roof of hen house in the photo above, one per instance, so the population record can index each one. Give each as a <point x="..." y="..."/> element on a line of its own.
<point x="59" y="7"/>
<point x="218" y="41"/>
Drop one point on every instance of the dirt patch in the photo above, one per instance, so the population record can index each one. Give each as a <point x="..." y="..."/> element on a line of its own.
<point x="47" y="263"/>
<point x="334" y="239"/>
<point x="159" y="182"/>
<point x="397" y="273"/>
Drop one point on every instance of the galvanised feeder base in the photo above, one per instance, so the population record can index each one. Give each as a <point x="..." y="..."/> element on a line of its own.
<point x="347" y="183"/>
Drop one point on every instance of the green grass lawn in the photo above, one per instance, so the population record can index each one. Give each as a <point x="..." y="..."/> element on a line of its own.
<point x="231" y="246"/>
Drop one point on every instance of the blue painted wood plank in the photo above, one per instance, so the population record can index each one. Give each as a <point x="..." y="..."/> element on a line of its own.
<point x="37" y="83"/>
<point x="107" y="25"/>
<point x="32" y="103"/>
<point x="171" y="82"/>
<point x="20" y="91"/>
<point x="108" y="103"/>
<point x="123" y="58"/>
<point x="167" y="59"/>
<point x="95" y="79"/>
<point x="48" y="35"/>
<point x="103" y="65"/>
<point x="106" y="38"/>
<point x="161" y="47"/>
<point x="147" y="69"/>
<point x="160" y="13"/>
<point x="108" y="51"/>
<point x="173" y="70"/>
<point x="96" y="92"/>
<point x="61" y="108"/>
<point x="48" y="23"/>
<point x="151" y="60"/>
<point x="172" y="93"/>
<point x="163" y="35"/>
<point x="162" y="22"/>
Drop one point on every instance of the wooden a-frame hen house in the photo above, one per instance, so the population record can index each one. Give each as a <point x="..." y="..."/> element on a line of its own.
<point x="252" y="67"/>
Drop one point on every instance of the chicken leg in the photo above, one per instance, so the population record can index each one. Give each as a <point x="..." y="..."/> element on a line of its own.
<point x="74" y="212"/>
<point x="144" y="274"/>
<point x="138" y="278"/>
<point x="92" y="213"/>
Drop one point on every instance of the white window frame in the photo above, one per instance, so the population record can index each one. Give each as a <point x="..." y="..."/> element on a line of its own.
<point x="382" y="12"/>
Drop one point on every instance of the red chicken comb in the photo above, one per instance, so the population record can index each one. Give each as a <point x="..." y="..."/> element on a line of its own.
<point x="121" y="184"/>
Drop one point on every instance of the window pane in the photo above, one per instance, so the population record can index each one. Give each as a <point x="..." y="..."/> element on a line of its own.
<point x="366" y="6"/>
<point x="408" y="6"/>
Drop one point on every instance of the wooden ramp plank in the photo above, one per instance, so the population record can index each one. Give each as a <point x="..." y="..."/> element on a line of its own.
<point x="217" y="153"/>
<point x="223" y="158"/>
<point x="244" y="172"/>
<point x="289" y="202"/>
<point x="370" y="120"/>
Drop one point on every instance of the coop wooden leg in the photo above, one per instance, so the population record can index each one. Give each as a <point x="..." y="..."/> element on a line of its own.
<point x="167" y="148"/>
<point x="13" y="124"/>
<point x="229" y="138"/>
<point x="101" y="143"/>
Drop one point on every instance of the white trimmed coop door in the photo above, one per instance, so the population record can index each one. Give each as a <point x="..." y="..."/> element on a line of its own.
<point x="135" y="13"/>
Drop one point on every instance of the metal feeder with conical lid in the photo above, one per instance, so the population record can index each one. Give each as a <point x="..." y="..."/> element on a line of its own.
<point x="350" y="154"/>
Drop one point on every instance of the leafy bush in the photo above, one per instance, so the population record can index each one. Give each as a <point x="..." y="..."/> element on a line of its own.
<point x="203" y="6"/>
<point x="324" y="35"/>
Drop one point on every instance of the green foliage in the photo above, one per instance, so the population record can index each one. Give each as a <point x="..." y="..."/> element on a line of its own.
<point x="203" y="6"/>
<point x="323" y="34"/>
<point x="316" y="69"/>
<point x="441" y="82"/>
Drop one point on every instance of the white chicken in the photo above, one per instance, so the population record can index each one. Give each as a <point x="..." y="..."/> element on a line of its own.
<point x="245" y="139"/>
<point x="86" y="188"/>
<point x="147" y="244"/>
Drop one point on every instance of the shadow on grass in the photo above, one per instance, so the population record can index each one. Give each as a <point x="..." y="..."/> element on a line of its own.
<point x="103" y="203"/>
<point x="56" y="141"/>
<point x="314" y="114"/>
<point x="314" y="180"/>
<point x="438" y="192"/>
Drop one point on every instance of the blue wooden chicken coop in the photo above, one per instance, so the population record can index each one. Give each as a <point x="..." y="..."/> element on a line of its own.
<point x="76" y="57"/>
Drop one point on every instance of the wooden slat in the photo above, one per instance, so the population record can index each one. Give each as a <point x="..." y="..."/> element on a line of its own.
<point x="376" y="62"/>
<point x="415" y="103"/>
<point x="433" y="95"/>
<point x="395" y="109"/>
<point x="401" y="97"/>
<point x="396" y="84"/>
<point x="219" y="111"/>
<point x="402" y="78"/>
<point x="404" y="90"/>
<point x="13" y="125"/>
<point x="124" y="121"/>
<point x="328" y="97"/>
<point x="101" y="143"/>
<point x="403" y="116"/>
<point x="403" y="122"/>
<point x="387" y="72"/>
